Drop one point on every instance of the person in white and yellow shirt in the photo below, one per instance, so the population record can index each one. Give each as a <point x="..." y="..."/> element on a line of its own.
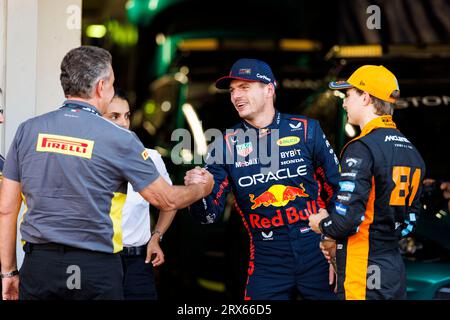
<point x="139" y="244"/>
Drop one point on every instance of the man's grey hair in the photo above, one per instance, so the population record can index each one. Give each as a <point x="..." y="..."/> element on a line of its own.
<point x="82" y="68"/>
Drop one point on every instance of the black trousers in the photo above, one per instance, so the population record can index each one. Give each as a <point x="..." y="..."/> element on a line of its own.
<point x="53" y="272"/>
<point x="139" y="279"/>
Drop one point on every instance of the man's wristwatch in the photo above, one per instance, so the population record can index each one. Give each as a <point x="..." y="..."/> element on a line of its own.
<point x="9" y="274"/>
<point x="159" y="233"/>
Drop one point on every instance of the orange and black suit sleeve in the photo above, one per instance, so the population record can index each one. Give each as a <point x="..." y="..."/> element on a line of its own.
<point x="355" y="185"/>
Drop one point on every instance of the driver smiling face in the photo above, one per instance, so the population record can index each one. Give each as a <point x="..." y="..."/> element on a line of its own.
<point x="250" y="98"/>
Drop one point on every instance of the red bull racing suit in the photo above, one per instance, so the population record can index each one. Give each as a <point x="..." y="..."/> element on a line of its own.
<point x="275" y="201"/>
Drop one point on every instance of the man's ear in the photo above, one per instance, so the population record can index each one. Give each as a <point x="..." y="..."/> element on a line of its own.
<point x="366" y="98"/>
<point x="99" y="87"/>
<point x="270" y="89"/>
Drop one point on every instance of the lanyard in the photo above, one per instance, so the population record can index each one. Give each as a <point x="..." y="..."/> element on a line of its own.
<point x="84" y="107"/>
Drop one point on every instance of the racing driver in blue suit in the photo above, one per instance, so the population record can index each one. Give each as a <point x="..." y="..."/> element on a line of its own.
<point x="281" y="169"/>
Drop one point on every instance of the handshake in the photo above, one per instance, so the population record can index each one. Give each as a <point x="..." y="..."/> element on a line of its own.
<point x="327" y="245"/>
<point x="199" y="175"/>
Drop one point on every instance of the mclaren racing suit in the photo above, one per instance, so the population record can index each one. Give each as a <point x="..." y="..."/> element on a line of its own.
<point x="377" y="204"/>
<point x="275" y="202"/>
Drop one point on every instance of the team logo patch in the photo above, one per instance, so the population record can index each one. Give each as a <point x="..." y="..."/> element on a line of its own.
<point x="387" y="121"/>
<point x="245" y="71"/>
<point x="353" y="162"/>
<point x="341" y="209"/>
<point x="349" y="175"/>
<point x="267" y="236"/>
<point x="244" y="149"/>
<point x="145" y="154"/>
<point x="344" y="197"/>
<point x="305" y="230"/>
<point x="242" y="164"/>
<point x="288" y="141"/>
<point x="278" y="195"/>
<point x="346" y="186"/>
<point x="65" y="145"/>
<point x="295" y="126"/>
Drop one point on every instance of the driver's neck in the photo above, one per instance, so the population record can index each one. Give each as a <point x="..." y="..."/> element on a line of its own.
<point x="263" y="119"/>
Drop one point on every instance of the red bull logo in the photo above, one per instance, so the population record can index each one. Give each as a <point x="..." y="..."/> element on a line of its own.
<point x="291" y="215"/>
<point x="278" y="196"/>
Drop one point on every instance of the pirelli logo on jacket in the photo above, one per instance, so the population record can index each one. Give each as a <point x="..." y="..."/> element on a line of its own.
<point x="65" y="145"/>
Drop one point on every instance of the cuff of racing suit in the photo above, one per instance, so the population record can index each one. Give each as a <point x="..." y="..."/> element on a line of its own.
<point x="322" y="231"/>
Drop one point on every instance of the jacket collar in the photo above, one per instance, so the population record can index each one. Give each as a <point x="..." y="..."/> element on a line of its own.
<point x="76" y="104"/>
<point x="264" y="131"/>
<point x="378" y="122"/>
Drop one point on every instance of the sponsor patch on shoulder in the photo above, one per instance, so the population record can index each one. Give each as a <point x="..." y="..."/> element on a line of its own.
<point x="353" y="162"/>
<point x="297" y="126"/>
<point x="145" y="154"/>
